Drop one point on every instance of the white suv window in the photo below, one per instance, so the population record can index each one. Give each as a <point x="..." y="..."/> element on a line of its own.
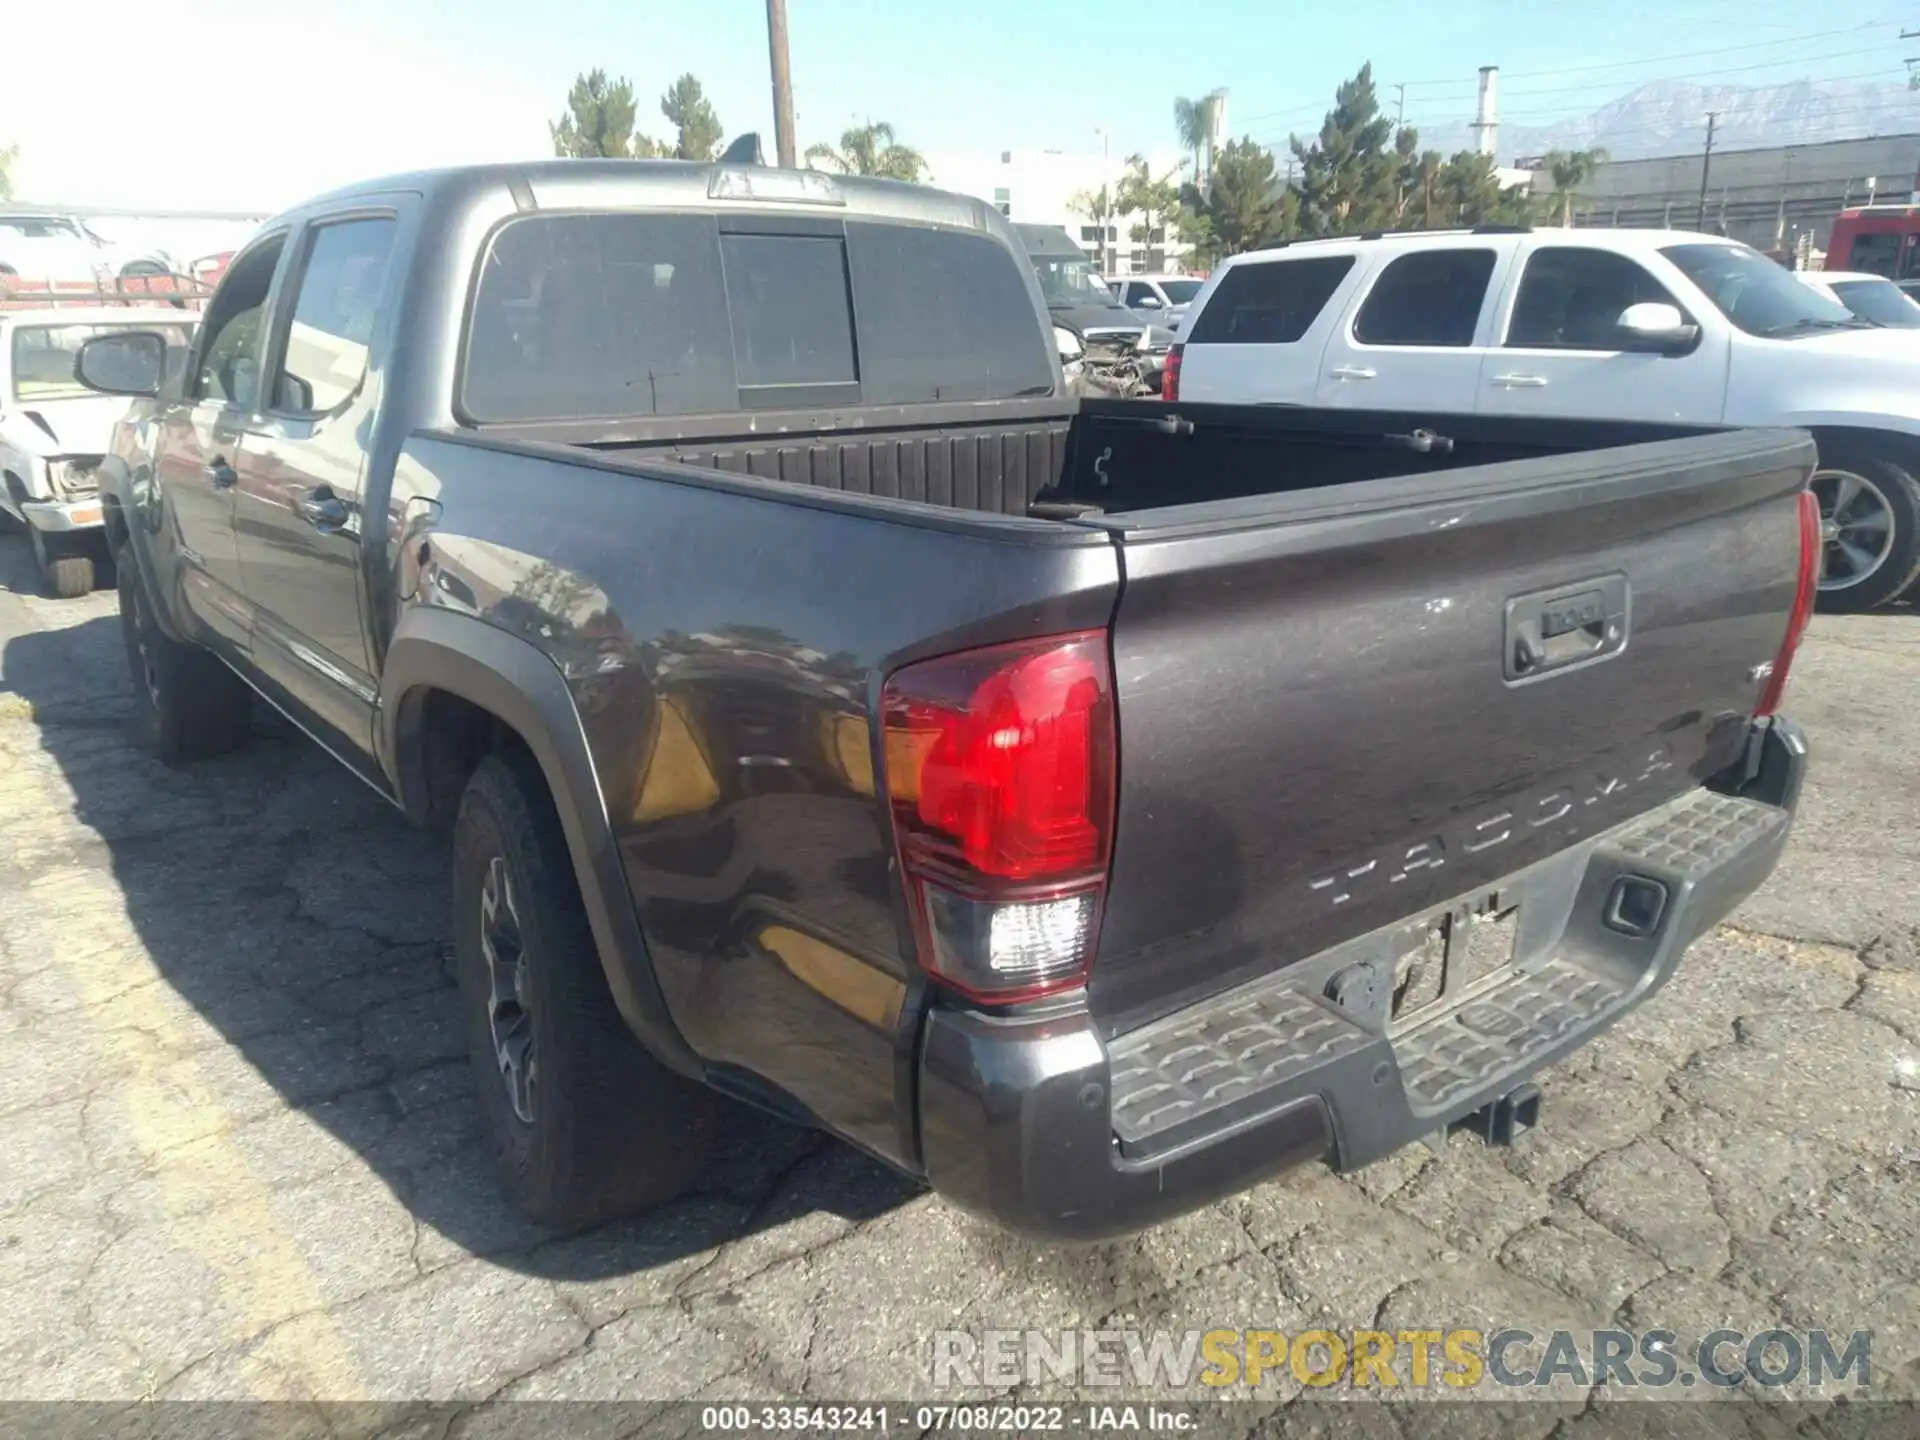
<point x="1426" y="297"/>
<point x="1571" y="297"/>
<point x="1273" y="302"/>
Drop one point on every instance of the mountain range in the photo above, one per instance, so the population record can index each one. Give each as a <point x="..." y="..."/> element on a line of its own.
<point x="1668" y="117"/>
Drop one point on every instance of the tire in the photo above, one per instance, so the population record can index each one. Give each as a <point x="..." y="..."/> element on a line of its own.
<point x="585" y="1125"/>
<point x="67" y="577"/>
<point x="1864" y="566"/>
<point x="187" y="705"/>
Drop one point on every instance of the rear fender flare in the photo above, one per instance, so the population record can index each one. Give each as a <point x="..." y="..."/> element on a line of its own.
<point x="513" y="680"/>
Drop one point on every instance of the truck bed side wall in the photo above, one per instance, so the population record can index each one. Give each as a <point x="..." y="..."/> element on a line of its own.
<point x="723" y="639"/>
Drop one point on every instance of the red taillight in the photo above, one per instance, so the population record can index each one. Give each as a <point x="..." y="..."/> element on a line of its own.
<point x="1000" y="768"/>
<point x="1804" y="595"/>
<point x="1170" y="377"/>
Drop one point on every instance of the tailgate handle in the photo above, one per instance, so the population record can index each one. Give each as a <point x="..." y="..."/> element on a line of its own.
<point x="1552" y="630"/>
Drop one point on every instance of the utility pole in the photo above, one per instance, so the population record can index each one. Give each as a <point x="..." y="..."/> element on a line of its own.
<point x="782" y="84"/>
<point x="1706" y="166"/>
<point x="1400" y="107"/>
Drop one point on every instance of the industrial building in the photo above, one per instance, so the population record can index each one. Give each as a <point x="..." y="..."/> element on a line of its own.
<point x="1782" y="198"/>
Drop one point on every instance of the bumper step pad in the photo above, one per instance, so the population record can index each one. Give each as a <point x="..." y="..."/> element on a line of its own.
<point x="1219" y="1053"/>
<point x="1270" y="1042"/>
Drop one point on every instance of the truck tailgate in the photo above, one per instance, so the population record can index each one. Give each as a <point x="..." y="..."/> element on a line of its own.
<point x="1342" y="708"/>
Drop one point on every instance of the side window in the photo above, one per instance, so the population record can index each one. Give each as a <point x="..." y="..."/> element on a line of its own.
<point x="944" y="315"/>
<point x="229" y="368"/>
<point x="580" y="316"/>
<point x="1136" y="292"/>
<point x="1571" y="297"/>
<point x="1269" y="302"/>
<point x="1429" y="297"/>
<point x="324" y="357"/>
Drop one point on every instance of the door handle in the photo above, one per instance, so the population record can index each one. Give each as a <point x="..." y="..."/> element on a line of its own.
<point x="222" y="474"/>
<point x="1353" y="372"/>
<point x="324" y="510"/>
<point x="1520" y="382"/>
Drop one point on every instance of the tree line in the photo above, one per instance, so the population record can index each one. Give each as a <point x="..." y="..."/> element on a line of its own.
<point x="1360" y="172"/>
<point x="602" y="115"/>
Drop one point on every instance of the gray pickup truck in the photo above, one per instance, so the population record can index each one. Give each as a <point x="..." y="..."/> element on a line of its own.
<point x="1089" y="809"/>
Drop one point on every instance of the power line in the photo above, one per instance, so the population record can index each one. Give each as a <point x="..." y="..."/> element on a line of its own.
<point x="1682" y="55"/>
<point x="1693" y="76"/>
<point x="1564" y="113"/>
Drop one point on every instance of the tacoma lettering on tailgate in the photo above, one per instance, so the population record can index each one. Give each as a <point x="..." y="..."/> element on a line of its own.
<point x="1472" y="837"/>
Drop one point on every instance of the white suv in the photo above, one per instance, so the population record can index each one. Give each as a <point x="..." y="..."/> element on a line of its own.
<point x="1162" y="298"/>
<point x="1594" y="324"/>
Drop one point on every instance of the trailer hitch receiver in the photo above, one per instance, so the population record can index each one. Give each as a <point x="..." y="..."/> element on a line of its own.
<point x="1501" y="1122"/>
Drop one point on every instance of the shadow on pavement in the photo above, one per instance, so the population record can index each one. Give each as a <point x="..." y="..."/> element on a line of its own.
<point x="305" y="921"/>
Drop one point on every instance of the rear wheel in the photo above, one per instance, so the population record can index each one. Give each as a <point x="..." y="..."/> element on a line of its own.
<point x="67" y="574"/>
<point x="1869" y="527"/>
<point x="187" y="705"/>
<point x="585" y="1124"/>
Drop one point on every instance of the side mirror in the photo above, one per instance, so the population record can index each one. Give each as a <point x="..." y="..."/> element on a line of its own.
<point x="1654" y="328"/>
<point x="295" y="394"/>
<point x="130" y="362"/>
<point x="1148" y="302"/>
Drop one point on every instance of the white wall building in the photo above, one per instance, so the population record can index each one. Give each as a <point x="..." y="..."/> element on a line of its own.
<point x="1036" y="187"/>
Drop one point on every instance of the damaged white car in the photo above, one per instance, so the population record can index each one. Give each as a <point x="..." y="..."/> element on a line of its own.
<point x="54" y="432"/>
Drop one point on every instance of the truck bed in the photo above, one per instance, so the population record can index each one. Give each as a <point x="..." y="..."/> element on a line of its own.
<point x="1312" y="619"/>
<point x="1093" y="455"/>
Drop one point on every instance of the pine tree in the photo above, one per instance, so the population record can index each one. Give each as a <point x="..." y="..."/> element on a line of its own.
<point x="1349" y="179"/>
<point x="691" y="114"/>
<point x="1245" y="208"/>
<point x="1470" y="193"/>
<point x="599" y="119"/>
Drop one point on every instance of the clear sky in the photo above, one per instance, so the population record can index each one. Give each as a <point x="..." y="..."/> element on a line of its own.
<point x="256" y="103"/>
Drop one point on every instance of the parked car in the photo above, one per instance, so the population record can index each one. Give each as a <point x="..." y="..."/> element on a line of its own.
<point x="1083" y="305"/>
<point x="1624" y="324"/>
<point x="54" y="433"/>
<point x="1166" y="298"/>
<point x="1871" y="297"/>
<point x="44" y="247"/>
<point x="1090" y="809"/>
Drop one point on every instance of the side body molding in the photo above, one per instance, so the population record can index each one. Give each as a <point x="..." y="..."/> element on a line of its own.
<point x="436" y="649"/>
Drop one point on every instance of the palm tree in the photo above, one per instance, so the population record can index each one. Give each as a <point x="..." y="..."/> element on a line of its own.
<point x="870" y="149"/>
<point x="1190" y="123"/>
<point x="1569" y="170"/>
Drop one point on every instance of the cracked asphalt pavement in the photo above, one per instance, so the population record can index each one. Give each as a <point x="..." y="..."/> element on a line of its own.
<point x="241" y="1155"/>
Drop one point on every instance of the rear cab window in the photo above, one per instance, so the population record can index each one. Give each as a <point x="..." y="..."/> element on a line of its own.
<point x="1269" y="302"/>
<point x="618" y="315"/>
<point x="1427" y="298"/>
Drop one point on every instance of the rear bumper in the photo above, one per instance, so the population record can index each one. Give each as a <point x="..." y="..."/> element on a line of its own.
<point x="1053" y="1131"/>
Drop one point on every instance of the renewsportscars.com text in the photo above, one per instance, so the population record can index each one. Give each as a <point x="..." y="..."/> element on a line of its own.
<point x="1226" y="1360"/>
